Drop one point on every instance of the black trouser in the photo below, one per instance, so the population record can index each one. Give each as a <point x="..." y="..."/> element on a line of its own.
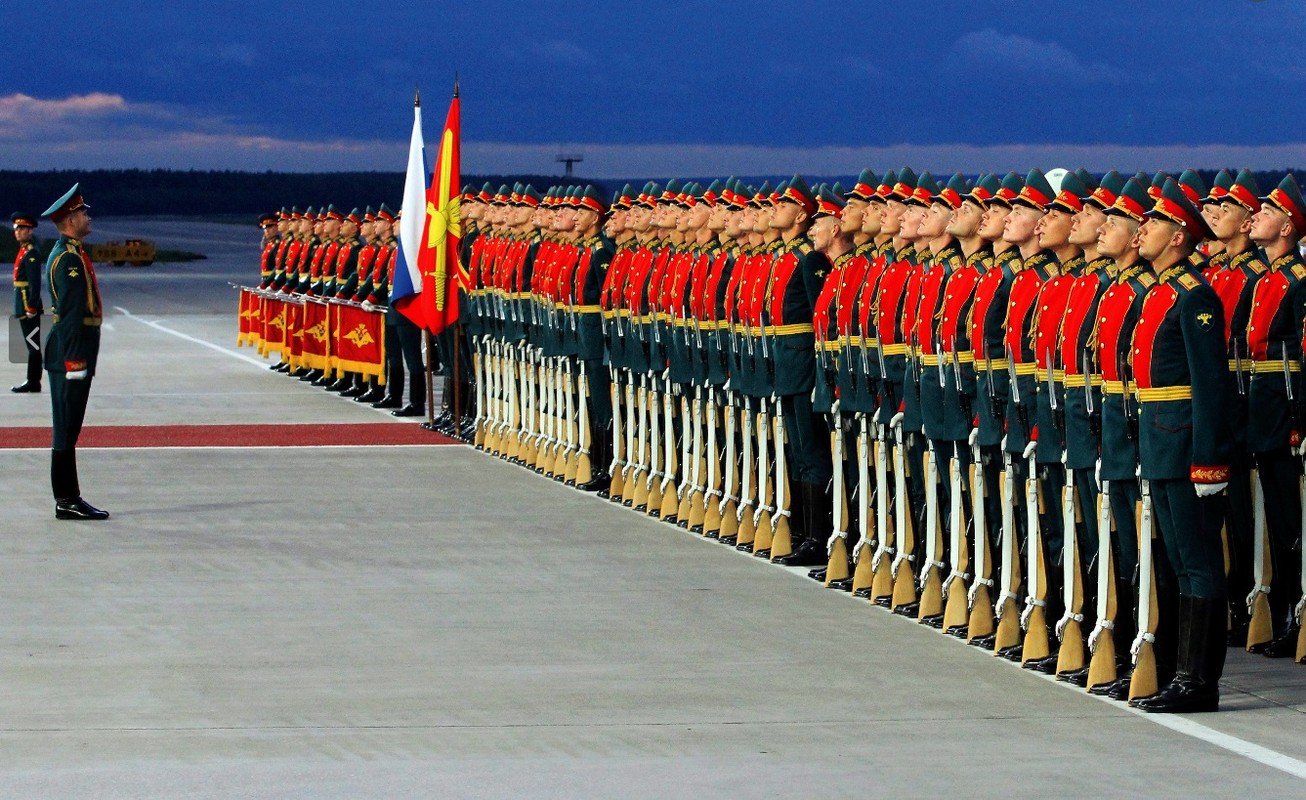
<point x="68" y="402"/>
<point x="410" y="344"/>
<point x="27" y="325"/>
<point x="1279" y="472"/>
<point x="394" y="363"/>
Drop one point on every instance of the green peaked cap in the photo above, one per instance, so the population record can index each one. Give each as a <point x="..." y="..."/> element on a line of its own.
<point x="1133" y="200"/>
<point x="1191" y="184"/>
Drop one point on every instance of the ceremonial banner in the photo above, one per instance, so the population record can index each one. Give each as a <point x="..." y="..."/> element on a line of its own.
<point x="358" y="341"/>
<point x="315" y="342"/>
<point x="250" y="331"/>
<point x="272" y="319"/>
<point x="439" y="258"/>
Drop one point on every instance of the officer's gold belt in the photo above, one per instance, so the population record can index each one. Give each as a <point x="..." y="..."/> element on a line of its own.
<point x="94" y="322"/>
<point x="1160" y="394"/>
<point x="894" y="349"/>
<point x="992" y="364"/>
<point x="1259" y="367"/>
<point x="1026" y="369"/>
<point x="831" y="346"/>
<point x="1116" y="387"/>
<point x="23" y="284"/>
<point x="594" y="309"/>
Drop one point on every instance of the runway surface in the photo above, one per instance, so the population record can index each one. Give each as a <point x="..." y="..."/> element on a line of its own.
<point x="293" y="600"/>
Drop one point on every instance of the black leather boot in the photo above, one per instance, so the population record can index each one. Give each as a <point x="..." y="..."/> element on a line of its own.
<point x="1194" y="687"/>
<point x="816" y="508"/>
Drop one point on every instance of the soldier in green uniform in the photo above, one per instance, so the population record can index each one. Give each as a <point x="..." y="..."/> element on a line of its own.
<point x="1185" y="443"/>
<point x="27" y="298"/>
<point x="72" y="348"/>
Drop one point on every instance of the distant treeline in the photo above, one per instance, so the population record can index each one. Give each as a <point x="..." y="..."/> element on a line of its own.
<point x="238" y="195"/>
<point x="142" y="192"/>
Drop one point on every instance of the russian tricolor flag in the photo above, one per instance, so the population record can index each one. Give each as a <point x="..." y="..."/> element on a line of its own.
<point x="407" y="289"/>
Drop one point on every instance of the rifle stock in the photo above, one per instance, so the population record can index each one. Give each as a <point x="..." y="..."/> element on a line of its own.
<point x="617" y="469"/>
<point x="886" y="532"/>
<point x="980" y="597"/>
<point x="863" y="575"/>
<point x="836" y="566"/>
<point x="584" y="467"/>
<point x="956" y="610"/>
<point x="762" y="525"/>
<point x="1034" y="620"/>
<point x="1261" y="628"/>
<point x="671" y="465"/>
<point x="781" y="540"/>
<point x="746" y="529"/>
<point x="931" y="600"/>
<point x="1143" y="682"/>
<point x="1070" y="656"/>
<point x="904" y="577"/>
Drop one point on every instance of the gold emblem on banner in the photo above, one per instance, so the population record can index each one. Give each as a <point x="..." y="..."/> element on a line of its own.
<point x="360" y="336"/>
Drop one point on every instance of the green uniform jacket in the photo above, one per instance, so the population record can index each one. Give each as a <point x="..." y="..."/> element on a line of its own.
<point x="27" y="281"/>
<point x="1181" y="368"/>
<point x="74" y="342"/>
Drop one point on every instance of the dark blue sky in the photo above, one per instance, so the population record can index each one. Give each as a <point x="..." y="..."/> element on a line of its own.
<point x="698" y="87"/>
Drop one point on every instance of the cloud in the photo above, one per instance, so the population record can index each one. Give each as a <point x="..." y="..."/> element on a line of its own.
<point x="24" y="117"/>
<point x="1018" y="53"/>
<point x="99" y="130"/>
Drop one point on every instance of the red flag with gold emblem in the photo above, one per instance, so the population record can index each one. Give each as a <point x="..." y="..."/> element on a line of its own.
<point x="438" y="258"/>
<point x="359" y="340"/>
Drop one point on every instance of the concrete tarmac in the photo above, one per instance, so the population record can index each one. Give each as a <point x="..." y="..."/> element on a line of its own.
<point x="433" y="622"/>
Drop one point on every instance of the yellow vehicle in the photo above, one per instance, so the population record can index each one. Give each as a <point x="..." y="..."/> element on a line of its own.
<point x="137" y="252"/>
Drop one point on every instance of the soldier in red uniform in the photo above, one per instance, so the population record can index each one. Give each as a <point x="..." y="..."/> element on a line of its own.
<point x="1233" y="271"/>
<point x="1274" y="344"/>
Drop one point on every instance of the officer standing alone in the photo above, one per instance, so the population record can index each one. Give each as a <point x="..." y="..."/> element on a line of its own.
<point x="72" y="349"/>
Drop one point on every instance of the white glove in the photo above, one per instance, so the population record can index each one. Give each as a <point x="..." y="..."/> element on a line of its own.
<point x="76" y="375"/>
<point x="974" y="437"/>
<point x="1030" y="449"/>
<point x="896" y="422"/>
<point x="1209" y="489"/>
<point x="1300" y="450"/>
<point x="368" y="306"/>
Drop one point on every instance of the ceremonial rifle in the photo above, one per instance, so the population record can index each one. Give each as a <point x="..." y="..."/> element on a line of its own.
<point x="863" y="575"/>
<point x="1034" y="617"/>
<point x="836" y="568"/>
<point x="1143" y="681"/>
<point x="1008" y="630"/>
<point x="956" y="611"/>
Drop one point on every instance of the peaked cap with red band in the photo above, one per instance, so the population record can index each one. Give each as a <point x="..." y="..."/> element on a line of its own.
<point x="1070" y="198"/>
<point x="1133" y="201"/>
<point x="1036" y="193"/>
<point x="1287" y="198"/>
<point x="1108" y="189"/>
<point x="1174" y="206"/>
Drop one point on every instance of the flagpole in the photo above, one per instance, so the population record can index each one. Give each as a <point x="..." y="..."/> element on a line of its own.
<point x="430" y="382"/>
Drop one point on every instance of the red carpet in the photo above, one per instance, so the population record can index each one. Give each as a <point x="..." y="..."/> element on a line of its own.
<point x="232" y="436"/>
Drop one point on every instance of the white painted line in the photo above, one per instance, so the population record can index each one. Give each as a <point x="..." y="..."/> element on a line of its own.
<point x="180" y="335"/>
<point x="1264" y="755"/>
<point x="1178" y="723"/>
